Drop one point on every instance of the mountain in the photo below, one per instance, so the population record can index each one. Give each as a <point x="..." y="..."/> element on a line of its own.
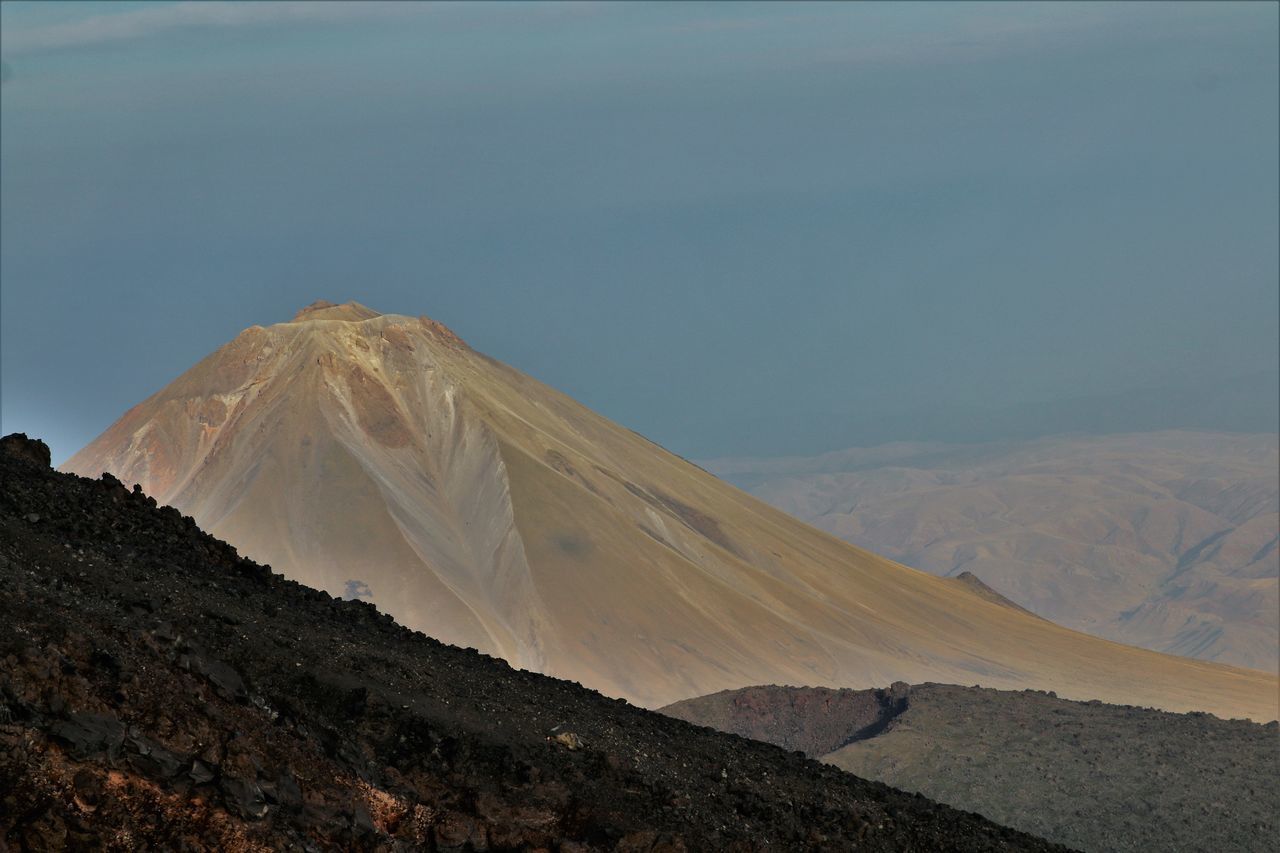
<point x="159" y="692"/>
<point x="1163" y="540"/>
<point x="378" y="456"/>
<point x="1084" y="774"/>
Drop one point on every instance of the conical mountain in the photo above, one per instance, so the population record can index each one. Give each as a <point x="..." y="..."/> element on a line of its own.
<point x="378" y="455"/>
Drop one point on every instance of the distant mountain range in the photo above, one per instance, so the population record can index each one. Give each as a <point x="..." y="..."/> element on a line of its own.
<point x="1165" y="540"/>
<point x="379" y="457"/>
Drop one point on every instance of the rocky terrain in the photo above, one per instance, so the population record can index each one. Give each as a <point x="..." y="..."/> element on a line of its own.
<point x="1092" y="776"/>
<point x="378" y="456"/>
<point x="158" y="691"/>
<point x="1163" y="540"/>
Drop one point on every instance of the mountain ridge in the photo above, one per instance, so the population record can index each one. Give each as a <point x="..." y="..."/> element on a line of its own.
<point x="381" y="455"/>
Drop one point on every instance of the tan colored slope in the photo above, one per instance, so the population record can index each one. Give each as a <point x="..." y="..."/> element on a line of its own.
<point x="1163" y="540"/>
<point x="489" y="510"/>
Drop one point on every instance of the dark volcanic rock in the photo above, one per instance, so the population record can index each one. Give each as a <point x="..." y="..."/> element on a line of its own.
<point x="86" y="735"/>
<point x="1086" y="774"/>
<point x="812" y="720"/>
<point x="158" y="691"/>
<point x="32" y="449"/>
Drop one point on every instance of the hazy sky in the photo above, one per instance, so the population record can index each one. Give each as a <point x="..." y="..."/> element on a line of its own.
<point x="734" y="228"/>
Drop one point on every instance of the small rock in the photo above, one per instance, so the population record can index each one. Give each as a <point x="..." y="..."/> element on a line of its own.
<point x="151" y="759"/>
<point x="568" y="740"/>
<point x="200" y="773"/>
<point x="226" y="682"/>
<point x="88" y="790"/>
<point x="87" y="735"/>
<point x="243" y="797"/>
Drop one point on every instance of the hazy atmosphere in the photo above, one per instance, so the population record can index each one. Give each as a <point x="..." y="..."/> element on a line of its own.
<point x="737" y="229"/>
<point x="419" y="414"/>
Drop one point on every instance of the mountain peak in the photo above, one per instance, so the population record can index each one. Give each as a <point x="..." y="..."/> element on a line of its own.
<point x="354" y="312"/>
<point x="322" y="309"/>
<point x="375" y="457"/>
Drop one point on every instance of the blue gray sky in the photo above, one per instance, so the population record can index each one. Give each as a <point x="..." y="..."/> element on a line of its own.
<point x="735" y="228"/>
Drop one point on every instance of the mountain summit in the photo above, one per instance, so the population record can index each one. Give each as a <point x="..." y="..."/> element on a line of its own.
<point x="322" y="309"/>
<point x="377" y="456"/>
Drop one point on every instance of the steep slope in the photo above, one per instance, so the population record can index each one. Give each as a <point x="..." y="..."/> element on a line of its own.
<point x="1163" y="540"/>
<point x="1088" y="775"/>
<point x="159" y="692"/>
<point x="378" y="454"/>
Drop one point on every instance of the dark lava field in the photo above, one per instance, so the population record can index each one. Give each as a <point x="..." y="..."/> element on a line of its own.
<point x="1090" y="775"/>
<point x="159" y="692"/>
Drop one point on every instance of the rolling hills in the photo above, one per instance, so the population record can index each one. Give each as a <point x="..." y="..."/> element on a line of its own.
<point x="1163" y="540"/>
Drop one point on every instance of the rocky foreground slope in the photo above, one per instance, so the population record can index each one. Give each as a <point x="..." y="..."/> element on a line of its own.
<point x="157" y="691"/>
<point x="378" y="456"/>
<point x="1089" y="775"/>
